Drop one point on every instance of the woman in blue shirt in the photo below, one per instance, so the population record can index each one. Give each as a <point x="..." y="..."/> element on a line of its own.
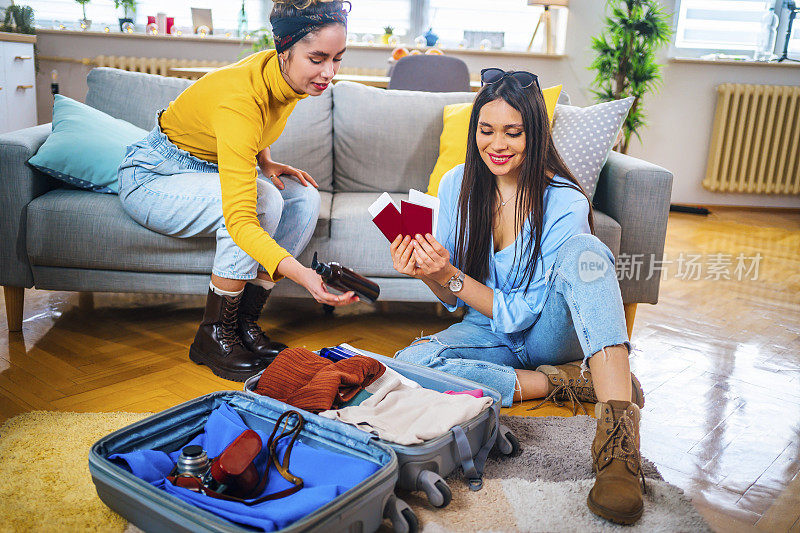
<point x="516" y="247"/>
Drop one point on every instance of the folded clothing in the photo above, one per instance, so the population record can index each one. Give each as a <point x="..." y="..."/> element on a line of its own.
<point x="391" y="378"/>
<point x="303" y="379"/>
<point x="325" y="474"/>
<point x="345" y="351"/>
<point x="405" y="415"/>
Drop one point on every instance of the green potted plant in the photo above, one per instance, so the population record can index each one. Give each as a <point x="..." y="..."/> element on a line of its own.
<point x="129" y="9"/>
<point x="84" y="22"/>
<point x="18" y="19"/>
<point x="388" y="31"/>
<point x="626" y="58"/>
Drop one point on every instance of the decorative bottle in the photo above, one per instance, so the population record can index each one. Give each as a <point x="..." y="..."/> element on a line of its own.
<point x="765" y="42"/>
<point x="242" y="27"/>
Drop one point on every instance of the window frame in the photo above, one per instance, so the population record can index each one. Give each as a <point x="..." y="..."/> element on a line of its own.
<point x="696" y="52"/>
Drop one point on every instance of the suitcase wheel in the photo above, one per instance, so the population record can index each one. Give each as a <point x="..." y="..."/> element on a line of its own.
<point x="435" y="488"/>
<point x="403" y="518"/>
<point x="412" y="523"/>
<point x="507" y="442"/>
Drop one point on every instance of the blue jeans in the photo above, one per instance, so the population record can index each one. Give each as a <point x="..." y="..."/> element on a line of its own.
<point x="582" y="315"/>
<point x="170" y="191"/>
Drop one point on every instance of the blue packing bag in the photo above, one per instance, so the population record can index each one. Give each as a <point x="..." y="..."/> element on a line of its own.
<point x="326" y="474"/>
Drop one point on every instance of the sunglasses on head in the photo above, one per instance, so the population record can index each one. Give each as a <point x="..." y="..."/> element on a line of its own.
<point x="493" y="75"/>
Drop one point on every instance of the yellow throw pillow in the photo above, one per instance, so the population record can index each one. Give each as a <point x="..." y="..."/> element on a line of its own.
<point x="453" y="142"/>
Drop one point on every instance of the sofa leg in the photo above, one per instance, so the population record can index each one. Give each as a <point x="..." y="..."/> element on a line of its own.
<point x="15" y="299"/>
<point x="86" y="301"/>
<point x="630" y="313"/>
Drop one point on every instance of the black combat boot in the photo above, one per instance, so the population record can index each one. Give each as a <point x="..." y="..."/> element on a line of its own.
<point x="217" y="343"/>
<point x="253" y="299"/>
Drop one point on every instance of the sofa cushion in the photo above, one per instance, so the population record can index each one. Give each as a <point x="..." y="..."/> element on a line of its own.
<point x="306" y="142"/>
<point x="86" y="146"/>
<point x="132" y="96"/>
<point x="386" y="140"/>
<point x="356" y="242"/>
<point x="68" y="228"/>
<point x="584" y="136"/>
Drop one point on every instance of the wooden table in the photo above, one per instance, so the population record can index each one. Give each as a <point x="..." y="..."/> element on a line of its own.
<point x="194" y="73"/>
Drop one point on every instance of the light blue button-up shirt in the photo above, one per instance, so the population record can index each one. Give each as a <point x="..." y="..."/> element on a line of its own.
<point x="566" y="213"/>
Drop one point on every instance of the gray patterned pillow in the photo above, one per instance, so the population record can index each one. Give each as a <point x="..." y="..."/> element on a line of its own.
<point x="584" y="137"/>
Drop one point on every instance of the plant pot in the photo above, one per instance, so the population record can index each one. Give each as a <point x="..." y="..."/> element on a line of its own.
<point x="123" y="21"/>
<point x="385" y="38"/>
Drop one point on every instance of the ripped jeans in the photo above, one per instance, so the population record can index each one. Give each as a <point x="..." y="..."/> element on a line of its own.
<point x="580" y="317"/>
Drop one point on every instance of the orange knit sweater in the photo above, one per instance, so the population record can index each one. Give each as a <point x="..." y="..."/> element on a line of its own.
<point x="304" y="379"/>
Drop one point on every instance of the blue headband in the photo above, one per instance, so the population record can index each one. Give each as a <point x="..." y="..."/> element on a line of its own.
<point x="289" y="30"/>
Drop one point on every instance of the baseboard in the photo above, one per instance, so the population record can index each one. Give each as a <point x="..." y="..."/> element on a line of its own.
<point x="721" y="207"/>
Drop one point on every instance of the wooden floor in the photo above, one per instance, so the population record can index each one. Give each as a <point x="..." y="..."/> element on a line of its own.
<point x="719" y="360"/>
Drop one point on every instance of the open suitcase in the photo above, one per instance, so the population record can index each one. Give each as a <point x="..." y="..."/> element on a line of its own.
<point x="423" y="466"/>
<point x="361" y="508"/>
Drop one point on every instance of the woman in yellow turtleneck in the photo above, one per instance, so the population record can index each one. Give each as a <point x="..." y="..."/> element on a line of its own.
<point x="196" y="175"/>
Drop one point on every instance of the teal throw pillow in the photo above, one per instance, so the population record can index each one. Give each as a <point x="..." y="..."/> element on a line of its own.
<point x="86" y="146"/>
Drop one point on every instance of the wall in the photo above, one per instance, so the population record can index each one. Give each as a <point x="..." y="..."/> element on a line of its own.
<point x="679" y="115"/>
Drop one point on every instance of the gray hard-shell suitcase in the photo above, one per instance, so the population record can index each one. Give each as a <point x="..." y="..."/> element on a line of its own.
<point x="362" y="508"/>
<point x="423" y="466"/>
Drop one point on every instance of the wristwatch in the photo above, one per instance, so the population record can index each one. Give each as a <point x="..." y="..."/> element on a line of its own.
<point x="456" y="283"/>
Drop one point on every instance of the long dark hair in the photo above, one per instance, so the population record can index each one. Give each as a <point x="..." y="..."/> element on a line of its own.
<point x="477" y="201"/>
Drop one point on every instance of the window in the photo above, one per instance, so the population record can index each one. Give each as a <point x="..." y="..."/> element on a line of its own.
<point x="719" y="24"/>
<point x="225" y="15"/>
<point x="514" y="19"/>
<point x="509" y="21"/>
<point x="794" y="43"/>
<point x="372" y="16"/>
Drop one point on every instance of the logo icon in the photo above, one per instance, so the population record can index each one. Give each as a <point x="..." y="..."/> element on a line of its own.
<point x="591" y="266"/>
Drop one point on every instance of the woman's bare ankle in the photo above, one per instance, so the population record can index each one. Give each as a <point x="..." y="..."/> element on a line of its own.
<point x="532" y="384"/>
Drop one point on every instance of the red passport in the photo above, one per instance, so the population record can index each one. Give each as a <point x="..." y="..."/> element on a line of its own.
<point x="416" y="219"/>
<point x="415" y="216"/>
<point x="386" y="216"/>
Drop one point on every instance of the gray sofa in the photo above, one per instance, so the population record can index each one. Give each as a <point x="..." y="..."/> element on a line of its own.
<point x="357" y="142"/>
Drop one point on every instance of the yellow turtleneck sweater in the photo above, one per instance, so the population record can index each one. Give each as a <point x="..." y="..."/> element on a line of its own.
<point x="227" y="117"/>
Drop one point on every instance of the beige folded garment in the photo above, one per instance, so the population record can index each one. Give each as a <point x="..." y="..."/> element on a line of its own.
<point x="404" y="415"/>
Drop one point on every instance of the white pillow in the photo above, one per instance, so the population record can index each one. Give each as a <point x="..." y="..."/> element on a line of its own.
<point x="584" y="136"/>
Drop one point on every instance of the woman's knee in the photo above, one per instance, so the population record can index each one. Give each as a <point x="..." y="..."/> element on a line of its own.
<point x="577" y="244"/>
<point x="585" y="256"/>
<point x="421" y="352"/>
<point x="269" y="205"/>
<point x="309" y="203"/>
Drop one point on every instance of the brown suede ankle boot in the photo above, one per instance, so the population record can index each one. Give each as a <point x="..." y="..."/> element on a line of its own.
<point x="253" y="299"/>
<point x="617" y="491"/>
<point x="568" y="385"/>
<point x="218" y="345"/>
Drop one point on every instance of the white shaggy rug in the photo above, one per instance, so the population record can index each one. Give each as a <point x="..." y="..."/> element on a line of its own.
<point x="545" y="488"/>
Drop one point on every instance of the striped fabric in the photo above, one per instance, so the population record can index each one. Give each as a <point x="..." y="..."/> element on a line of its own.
<point x="303" y="379"/>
